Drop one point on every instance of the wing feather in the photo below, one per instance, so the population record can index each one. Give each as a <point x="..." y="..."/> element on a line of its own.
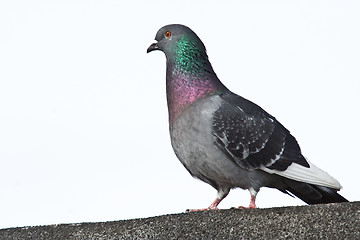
<point x="252" y="137"/>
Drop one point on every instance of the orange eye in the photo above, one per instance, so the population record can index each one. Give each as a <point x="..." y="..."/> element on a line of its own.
<point x="167" y="34"/>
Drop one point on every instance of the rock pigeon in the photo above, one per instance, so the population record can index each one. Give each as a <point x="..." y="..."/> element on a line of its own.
<point x="226" y="140"/>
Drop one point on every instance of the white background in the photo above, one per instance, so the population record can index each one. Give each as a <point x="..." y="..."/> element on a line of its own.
<point x="83" y="115"/>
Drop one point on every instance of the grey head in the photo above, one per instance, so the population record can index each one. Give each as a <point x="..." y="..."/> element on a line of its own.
<point x="168" y="37"/>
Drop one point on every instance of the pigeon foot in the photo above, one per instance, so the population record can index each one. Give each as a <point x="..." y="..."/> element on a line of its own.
<point x="213" y="206"/>
<point x="242" y="207"/>
<point x="202" y="209"/>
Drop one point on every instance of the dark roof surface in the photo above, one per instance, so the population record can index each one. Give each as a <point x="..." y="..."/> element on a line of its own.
<point x="330" y="221"/>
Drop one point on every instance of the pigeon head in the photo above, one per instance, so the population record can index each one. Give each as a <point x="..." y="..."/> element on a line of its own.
<point x="183" y="49"/>
<point x="171" y="36"/>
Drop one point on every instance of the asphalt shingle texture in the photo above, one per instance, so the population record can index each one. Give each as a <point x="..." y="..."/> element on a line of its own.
<point x="325" y="221"/>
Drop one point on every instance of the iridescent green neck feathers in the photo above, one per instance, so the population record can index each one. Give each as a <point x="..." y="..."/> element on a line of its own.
<point x="190" y="57"/>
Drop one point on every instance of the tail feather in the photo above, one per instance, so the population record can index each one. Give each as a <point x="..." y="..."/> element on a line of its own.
<point x="313" y="194"/>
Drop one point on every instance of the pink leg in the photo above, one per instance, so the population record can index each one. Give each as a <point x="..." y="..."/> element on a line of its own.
<point x="252" y="200"/>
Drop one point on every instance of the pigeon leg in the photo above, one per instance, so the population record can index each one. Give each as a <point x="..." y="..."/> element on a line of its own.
<point x="222" y="193"/>
<point x="252" y="200"/>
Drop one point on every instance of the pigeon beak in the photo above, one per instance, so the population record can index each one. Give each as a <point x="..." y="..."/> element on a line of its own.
<point x="152" y="47"/>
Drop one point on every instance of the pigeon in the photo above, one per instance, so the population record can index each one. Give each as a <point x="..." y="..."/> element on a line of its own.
<point x="226" y="140"/>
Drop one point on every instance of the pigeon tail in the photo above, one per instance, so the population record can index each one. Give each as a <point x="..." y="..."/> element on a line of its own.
<point x="313" y="194"/>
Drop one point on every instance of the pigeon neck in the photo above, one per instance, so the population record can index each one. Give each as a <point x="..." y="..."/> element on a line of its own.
<point x="189" y="75"/>
<point x="185" y="89"/>
<point x="189" y="57"/>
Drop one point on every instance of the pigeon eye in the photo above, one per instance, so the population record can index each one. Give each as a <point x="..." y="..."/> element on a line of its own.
<point x="167" y="34"/>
